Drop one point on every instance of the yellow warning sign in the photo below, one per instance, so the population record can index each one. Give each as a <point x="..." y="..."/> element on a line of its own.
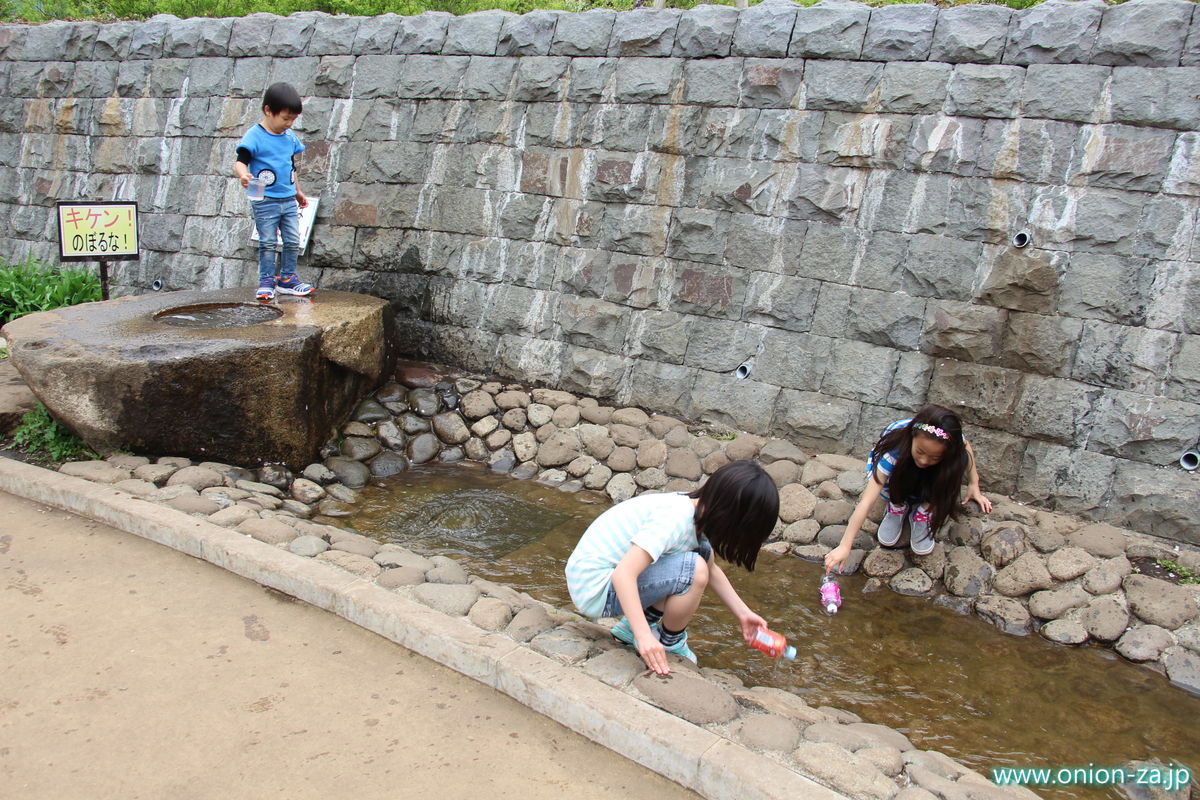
<point x="97" y="231"/>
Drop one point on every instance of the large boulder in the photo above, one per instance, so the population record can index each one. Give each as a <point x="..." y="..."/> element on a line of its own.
<point x="122" y="377"/>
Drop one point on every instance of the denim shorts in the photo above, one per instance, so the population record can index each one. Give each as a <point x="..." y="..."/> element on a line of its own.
<point x="671" y="574"/>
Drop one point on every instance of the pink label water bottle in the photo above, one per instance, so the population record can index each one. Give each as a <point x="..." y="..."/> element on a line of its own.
<point x="831" y="595"/>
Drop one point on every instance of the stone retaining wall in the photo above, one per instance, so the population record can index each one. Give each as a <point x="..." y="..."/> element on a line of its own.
<point x="633" y="205"/>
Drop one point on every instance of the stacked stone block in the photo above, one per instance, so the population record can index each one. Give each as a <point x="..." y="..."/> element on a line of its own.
<point x="631" y="205"/>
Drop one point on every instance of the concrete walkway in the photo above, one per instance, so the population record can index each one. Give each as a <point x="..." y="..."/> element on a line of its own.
<point x="130" y="670"/>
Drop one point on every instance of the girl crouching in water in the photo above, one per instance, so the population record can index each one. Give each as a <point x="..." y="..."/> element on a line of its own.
<point x="918" y="466"/>
<point x="651" y="558"/>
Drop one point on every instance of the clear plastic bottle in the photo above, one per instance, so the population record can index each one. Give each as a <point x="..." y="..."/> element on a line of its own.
<point x="773" y="644"/>
<point x="831" y="594"/>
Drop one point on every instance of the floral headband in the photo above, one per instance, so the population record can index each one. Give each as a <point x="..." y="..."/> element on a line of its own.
<point x="932" y="430"/>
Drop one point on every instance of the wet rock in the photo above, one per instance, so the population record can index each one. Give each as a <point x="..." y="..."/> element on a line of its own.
<point x="524" y="472"/>
<point x="561" y="448"/>
<point x="341" y="493"/>
<point x="306" y="491"/>
<point x="837" y="767"/>
<point x="453" y="599"/>
<point x="832" y="512"/>
<point x="529" y="622"/>
<point x="370" y="411"/>
<point x="622" y="459"/>
<point x="912" y="581"/>
<point x="486" y="426"/>
<point x="1052" y="604"/>
<point x="780" y="702"/>
<point x="451" y="428"/>
<point x="1102" y="541"/>
<point x="350" y="473"/>
<point x="1183" y="668"/>
<point x="411" y="424"/>
<point x="319" y="474"/>
<point x="1002" y="545"/>
<point x="766" y="732"/>
<point x="617" y="667"/>
<point x="387" y="464"/>
<point x="401" y="557"/>
<point x="490" y="613"/>
<point x="307" y="546"/>
<point x="1065" y="631"/>
<point x="566" y="416"/>
<point x="621" y="487"/>
<point x="267" y="530"/>
<point x="424" y="401"/>
<point x="1158" y="602"/>
<point x="1144" y="643"/>
<point x="935" y="762"/>
<point x="964" y="532"/>
<point x="933" y="563"/>
<point x="801" y="532"/>
<point x="1005" y="613"/>
<point x="478" y="404"/>
<point x="652" y="479"/>
<point x="423" y="448"/>
<point x="1023" y="576"/>
<point x="1069" y="563"/>
<point x="514" y="419"/>
<point x="967" y="575"/>
<point x="353" y="429"/>
<point x="1106" y="577"/>
<point x="687" y="695"/>
<point x="884" y="563"/>
<point x="1105" y="618"/>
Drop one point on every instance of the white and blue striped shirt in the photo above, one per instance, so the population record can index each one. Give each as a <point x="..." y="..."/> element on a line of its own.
<point x="660" y="524"/>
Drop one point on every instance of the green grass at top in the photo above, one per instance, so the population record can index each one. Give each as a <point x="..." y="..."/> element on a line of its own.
<point x="46" y="10"/>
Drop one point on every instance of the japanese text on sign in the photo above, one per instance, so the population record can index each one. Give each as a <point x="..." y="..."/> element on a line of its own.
<point x="97" y="231"/>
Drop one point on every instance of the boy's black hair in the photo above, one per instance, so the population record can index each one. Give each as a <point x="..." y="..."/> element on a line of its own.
<point x="938" y="485"/>
<point x="738" y="509"/>
<point x="282" y="97"/>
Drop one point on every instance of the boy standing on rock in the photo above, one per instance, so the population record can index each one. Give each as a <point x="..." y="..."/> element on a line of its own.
<point x="269" y="152"/>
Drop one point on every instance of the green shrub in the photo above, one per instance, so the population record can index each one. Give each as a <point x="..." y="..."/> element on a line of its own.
<point x="31" y="286"/>
<point x="41" y="434"/>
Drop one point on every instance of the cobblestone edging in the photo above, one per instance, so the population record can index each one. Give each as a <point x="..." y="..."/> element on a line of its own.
<point x="1020" y="569"/>
<point x="631" y="205"/>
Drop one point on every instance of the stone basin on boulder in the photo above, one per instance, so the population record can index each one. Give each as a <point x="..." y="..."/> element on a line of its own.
<point x="206" y="374"/>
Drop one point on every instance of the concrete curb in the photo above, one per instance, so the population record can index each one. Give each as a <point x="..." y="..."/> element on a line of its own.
<point x="698" y="759"/>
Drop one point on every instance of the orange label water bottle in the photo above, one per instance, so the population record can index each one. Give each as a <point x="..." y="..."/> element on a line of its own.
<point x="772" y="644"/>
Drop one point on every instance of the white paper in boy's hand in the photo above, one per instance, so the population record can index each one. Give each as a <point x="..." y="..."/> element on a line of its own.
<point x="307" y="215"/>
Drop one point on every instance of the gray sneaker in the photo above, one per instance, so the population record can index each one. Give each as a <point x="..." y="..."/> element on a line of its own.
<point x="920" y="538"/>
<point x="892" y="525"/>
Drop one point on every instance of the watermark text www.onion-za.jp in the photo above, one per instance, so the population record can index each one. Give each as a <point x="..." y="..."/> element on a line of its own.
<point x="1169" y="778"/>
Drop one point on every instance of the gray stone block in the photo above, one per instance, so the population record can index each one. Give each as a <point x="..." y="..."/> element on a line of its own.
<point x="910" y="384"/>
<point x="833" y="29"/>
<point x="1123" y="157"/>
<point x="705" y="31"/>
<point x="708" y="290"/>
<point x="886" y="319"/>
<point x="1087" y="219"/>
<point x="726" y="184"/>
<point x="744" y="405"/>
<point x="816" y="421"/>
<point x="112" y="42"/>
<point x="1055" y="32"/>
<point x="1105" y="287"/>
<point x="1174" y="297"/>
<point x="781" y="301"/>
<point x="540" y="79"/>
<point x="1055" y="410"/>
<point x="981" y="395"/>
<point x="424" y="33"/>
<point x="971" y="34"/>
<point x="290" y="35"/>
<point x="376" y="35"/>
<point x="476" y="34"/>
<point x="488" y="78"/>
<point x="764" y="243"/>
<point x="841" y="85"/>
<point x="644" y="32"/>
<point x="592" y="372"/>
<point x="660" y="336"/>
<point x="937" y="264"/>
<point x="250" y="38"/>
<point x="666" y="386"/>
<point x="1146" y="33"/>
<point x="1164" y="98"/>
<point x="765" y="29"/>
<point x="1184" y="380"/>
<point x="191" y="38"/>
<point x="528" y="34"/>
<point x="1121" y="357"/>
<point x="1145" y="497"/>
<point x="770" y="83"/>
<point x="1021" y="279"/>
<point x="900" y="32"/>
<point x="855" y="140"/>
<point x="61" y="40"/>
<point x="719" y="345"/>
<point x="635" y="229"/>
<point x="586" y="34"/>
<point x="1151" y="429"/>
<point x="824" y="194"/>
<point x="792" y="360"/>
<point x="913" y="88"/>
<point x="592" y="323"/>
<point x="1165" y="229"/>
<point x="1191" y="48"/>
<point x="859" y="371"/>
<point x="647" y="80"/>
<point x="97" y="79"/>
<point x="963" y="331"/>
<point x="1065" y="91"/>
<point x="589" y="77"/>
<point x="1183" y="176"/>
<point x="334" y="36"/>
<point x="1040" y="344"/>
<point x="711" y="82"/>
<point x="985" y="90"/>
<point x="335" y="77"/>
<point x="424" y="76"/>
<point x="832" y="311"/>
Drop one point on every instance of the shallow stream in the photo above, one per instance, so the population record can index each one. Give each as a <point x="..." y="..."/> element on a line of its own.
<point x="949" y="682"/>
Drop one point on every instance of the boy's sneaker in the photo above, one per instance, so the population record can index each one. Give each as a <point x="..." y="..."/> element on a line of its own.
<point x="266" y="290"/>
<point x="892" y="525"/>
<point x="291" y="284"/>
<point x="623" y="633"/>
<point x="681" y="648"/>
<point x="920" y="538"/>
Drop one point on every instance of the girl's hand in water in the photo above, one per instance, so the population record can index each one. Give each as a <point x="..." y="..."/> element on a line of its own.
<point x="835" y="559"/>
<point x="654" y="654"/>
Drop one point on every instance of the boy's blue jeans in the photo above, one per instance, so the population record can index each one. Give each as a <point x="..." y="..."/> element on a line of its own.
<point x="282" y="215"/>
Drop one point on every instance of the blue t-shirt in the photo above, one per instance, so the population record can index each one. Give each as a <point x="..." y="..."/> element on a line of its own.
<point x="271" y="158"/>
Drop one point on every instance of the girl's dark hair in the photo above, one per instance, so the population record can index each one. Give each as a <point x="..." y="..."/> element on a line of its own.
<point x="282" y="97"/>
<point x="938" y="485"/>
<point x="738" y="508"/>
